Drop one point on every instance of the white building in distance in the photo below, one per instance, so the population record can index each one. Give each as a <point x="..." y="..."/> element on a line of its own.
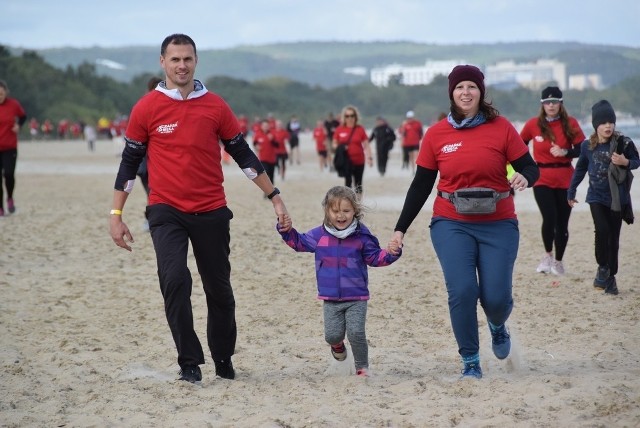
<point x="503" y="75"/>
<point x="530" y="75"/>
<point x="412" y="75"/>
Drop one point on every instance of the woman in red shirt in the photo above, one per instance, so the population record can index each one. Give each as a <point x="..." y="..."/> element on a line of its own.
<point x="267" y="146"/>
<point x="355" y="140"/>
<point x="476" y="248"/>
<point x="556" y="140"/>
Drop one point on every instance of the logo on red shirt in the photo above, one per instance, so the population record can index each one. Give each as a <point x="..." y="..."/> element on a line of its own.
<point x="450" y="148"/>
<point x="167" y="129"/>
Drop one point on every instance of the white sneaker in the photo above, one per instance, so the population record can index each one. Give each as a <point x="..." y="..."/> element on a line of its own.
<point x="557" y="268"/>
<point x="545" y="264"/>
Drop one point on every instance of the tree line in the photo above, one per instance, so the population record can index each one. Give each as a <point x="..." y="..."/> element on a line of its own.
<point x="79" y="94"/>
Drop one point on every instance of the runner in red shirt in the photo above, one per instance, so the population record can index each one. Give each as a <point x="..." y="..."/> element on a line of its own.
<point x="267" y="146"/>
<point x="179" y="125"/>
<point x="34" y="128"/>
<point x="320" y="137"/>
<point x="281" y="136"/>
<point x="356" y="141"/>
<point x="476" y="248"/>
<point x="12" y="117"/>
<point x="411" y="131"/>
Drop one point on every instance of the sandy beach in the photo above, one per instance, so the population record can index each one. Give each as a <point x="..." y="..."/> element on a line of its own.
<point x="84" y="341"/>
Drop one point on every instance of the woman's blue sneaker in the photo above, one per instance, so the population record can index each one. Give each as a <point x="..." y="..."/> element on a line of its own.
<point x="500" y="341"/>
<point x="472" y="370"/>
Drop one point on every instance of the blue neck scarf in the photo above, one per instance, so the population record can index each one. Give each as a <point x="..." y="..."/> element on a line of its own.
<point x="468" y="122"/>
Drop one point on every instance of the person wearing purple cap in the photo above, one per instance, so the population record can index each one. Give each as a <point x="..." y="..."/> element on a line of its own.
<point x="474" y="228"/>
<point x="608" y="158"/>
<point x="556" y="138"/>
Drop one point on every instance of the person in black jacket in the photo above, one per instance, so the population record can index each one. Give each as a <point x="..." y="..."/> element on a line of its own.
<point x="385" y="136"/>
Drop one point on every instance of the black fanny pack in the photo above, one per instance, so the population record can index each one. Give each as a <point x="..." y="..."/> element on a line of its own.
<point x="474" y="200"/>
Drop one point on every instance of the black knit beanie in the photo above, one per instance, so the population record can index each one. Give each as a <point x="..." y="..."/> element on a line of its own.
<point x="551" y="92"/>
<point x="466" y="72"/>
<point x="602" y="112"/>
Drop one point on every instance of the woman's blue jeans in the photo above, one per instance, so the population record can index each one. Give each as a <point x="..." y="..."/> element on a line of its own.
<point x="477" y="259"/>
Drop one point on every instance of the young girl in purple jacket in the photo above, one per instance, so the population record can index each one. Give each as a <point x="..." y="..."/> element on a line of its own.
<point x="343" y="248"/>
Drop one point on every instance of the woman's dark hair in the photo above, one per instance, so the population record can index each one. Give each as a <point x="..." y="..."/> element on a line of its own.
<point x="177" y="39"/>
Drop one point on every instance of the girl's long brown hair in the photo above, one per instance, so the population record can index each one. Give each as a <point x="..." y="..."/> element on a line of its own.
<point x="545" y="129"/>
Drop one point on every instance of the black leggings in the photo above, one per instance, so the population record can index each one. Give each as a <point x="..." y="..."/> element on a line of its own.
<point x="555" y="212"/>
<point x="270" y="169"/>
<point x="8" y="160"/>
<point x="382" y="153"/>
<point x="607" y="224"/>
<point x="355" y="177"/>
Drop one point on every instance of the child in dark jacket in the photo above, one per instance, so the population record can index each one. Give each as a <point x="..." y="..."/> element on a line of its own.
<point x="608" y="158"/>
<point x="343" y="248"/>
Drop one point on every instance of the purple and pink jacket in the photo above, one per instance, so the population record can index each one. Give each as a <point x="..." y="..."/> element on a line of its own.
<point x="341" y="264"/>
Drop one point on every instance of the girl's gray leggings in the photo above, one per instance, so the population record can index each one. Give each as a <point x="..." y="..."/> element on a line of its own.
<point x="348" y="317"/>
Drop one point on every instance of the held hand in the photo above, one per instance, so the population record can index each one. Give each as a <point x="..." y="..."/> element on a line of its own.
<point x="619" y="159"/>
<point x="286" y="224"/>
<point x="119" y="231"/>
<point x="395" y="243"/>
<point x="281" y="212"/>
<point x="518" y="182"/>
<point x="557" y="151"/>
<point x="572" y="202"/>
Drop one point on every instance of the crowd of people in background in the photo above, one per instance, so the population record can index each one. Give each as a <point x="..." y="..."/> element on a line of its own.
<point x="67" y="129"/>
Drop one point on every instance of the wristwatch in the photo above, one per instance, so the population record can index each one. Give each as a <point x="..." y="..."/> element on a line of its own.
<point x="276" y="191"/>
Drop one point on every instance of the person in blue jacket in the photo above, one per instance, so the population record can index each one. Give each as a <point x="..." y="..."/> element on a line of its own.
<point x="343" y="248"/>
<point x="608" y="158"/>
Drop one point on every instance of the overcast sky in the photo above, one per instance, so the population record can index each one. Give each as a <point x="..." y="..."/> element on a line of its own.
<point x="38" y="24"/>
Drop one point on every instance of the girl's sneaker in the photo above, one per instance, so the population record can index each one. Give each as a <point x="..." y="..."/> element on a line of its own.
<point x="339" y="351"/>
<point x="11" y="206"/>
<point x="363" y="372"/>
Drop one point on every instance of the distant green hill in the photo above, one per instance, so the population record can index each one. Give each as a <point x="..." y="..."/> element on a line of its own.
<point x="322" y="63"/>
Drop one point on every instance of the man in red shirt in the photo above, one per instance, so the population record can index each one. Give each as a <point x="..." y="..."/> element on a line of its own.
<point x="12" y="117"/>
<point x="179" y="125"/>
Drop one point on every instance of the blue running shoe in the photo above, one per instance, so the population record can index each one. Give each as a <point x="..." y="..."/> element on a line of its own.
<point x="471" y="370"/>
<point x="500" y="341"/>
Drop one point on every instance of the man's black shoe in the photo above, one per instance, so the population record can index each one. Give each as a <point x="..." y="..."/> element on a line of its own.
<point x="224" y="369"/>
<point x="191" y="374"/>
<point x="612" y="286"/>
